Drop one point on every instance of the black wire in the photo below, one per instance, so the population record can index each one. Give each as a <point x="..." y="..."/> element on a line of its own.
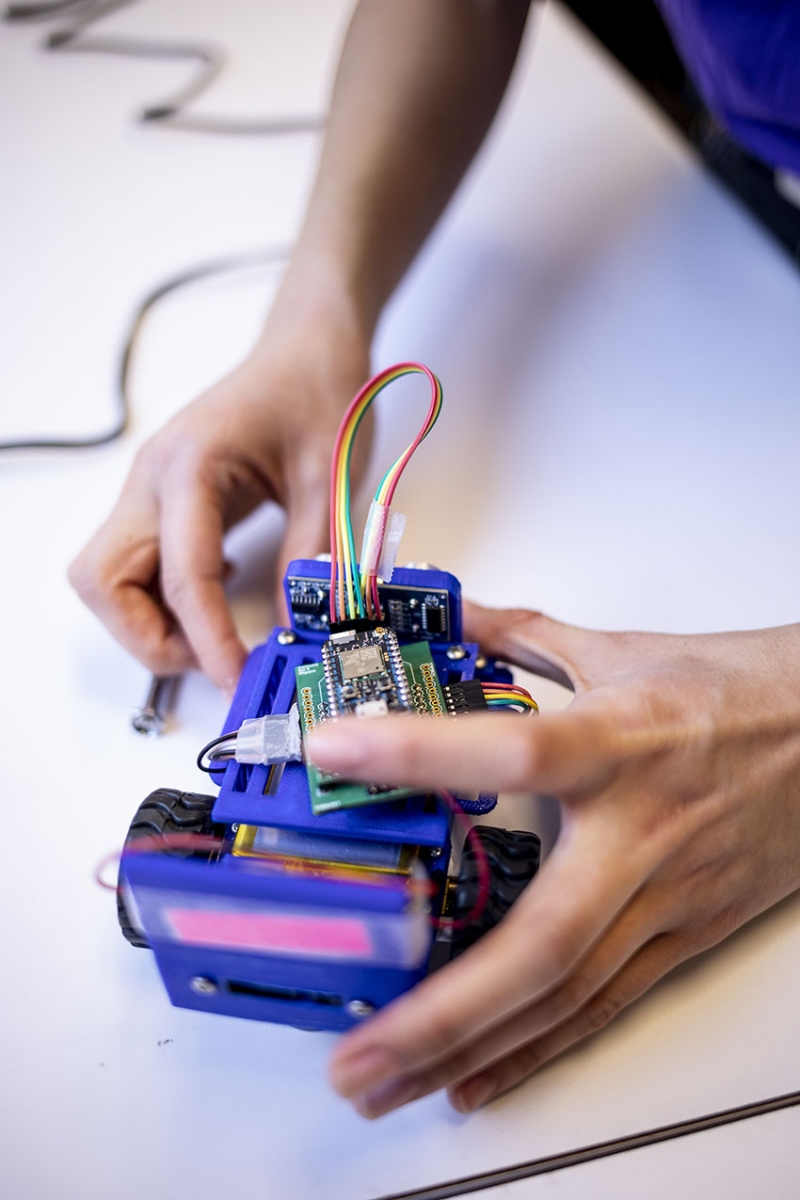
<point x="69" y="38"/>
<point x="170" y="113"/>
<point x="571" y="1158"/>
<point x="226" y="737"/>
<point x="191" y="275"/>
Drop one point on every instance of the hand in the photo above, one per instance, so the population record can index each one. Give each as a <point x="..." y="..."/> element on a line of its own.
<point x="677" y="769"/>
<point x="154" y="572"/>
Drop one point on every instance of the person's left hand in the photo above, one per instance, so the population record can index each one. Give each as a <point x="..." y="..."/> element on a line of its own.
<point x="677" y="768"/>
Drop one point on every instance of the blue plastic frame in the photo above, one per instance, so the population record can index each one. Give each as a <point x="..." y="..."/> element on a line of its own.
<point x="292" y="988"/>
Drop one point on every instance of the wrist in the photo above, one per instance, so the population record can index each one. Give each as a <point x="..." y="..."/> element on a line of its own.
<point x="314" y="335"/>
<point x="319" y="292"/>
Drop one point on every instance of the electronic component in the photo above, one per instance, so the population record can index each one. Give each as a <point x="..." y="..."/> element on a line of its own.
<point x="304" y="851"/>
<point x="369" y="675"/>
<point x="361" y="661"/>
<point x="410" y="611"/>
<point x="465" y="696"/>
<point x="362" y="666"/>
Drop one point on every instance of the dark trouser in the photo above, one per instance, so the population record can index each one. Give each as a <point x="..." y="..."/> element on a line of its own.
<point x="634" y="32"/>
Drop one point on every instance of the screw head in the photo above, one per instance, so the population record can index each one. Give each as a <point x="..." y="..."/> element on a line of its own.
<point x="148" y="722"/>
<point x="480" y="662"/>
<point x="287" y="637"/>
<point x="456" y="653"/>
<point x="359" y="1008"/>
<point x="203" y="985"/>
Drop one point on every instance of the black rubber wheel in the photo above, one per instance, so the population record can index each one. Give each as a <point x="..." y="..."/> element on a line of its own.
<point x="165" y="811"/>
<point x="513" y="858"/>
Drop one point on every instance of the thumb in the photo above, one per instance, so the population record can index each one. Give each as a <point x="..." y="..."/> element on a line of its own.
<point x="536" y="643"/>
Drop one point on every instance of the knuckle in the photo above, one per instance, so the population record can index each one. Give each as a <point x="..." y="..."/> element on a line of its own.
<point x="601" y="1012"/>
<point x="556" y="952"/>
<point x="443" y="1032"/>
<point x="86" y="579"/>
<point x="175" y="448"/>
<point x="526" y="1060"/>
<point x="571" y="996"/>
<point x="174" y="588"/>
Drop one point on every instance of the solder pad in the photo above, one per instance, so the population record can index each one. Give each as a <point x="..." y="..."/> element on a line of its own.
<point x="329" y="792"/>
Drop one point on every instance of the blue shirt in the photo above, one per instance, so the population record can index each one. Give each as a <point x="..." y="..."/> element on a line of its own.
<point x="744" y="58"/>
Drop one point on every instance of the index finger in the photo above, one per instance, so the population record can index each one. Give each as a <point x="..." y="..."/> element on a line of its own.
<point x="115" y="575"/>
<point x="192" y="573"/>
<point x="553" y="753"/>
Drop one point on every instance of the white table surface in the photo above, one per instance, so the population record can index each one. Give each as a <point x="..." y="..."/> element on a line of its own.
<point x="620" y="352"/>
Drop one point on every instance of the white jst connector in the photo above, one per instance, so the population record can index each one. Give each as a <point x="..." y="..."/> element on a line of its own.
<point x="271" y="739"/>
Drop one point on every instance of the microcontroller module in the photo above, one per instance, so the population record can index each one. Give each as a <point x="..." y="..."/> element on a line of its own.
<point x="366" y="674"/>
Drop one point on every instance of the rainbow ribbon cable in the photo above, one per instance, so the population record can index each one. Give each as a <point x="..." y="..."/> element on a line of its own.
<point x="354" y="591"/>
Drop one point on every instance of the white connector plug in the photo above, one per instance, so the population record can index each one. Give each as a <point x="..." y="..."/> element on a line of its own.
<point x="271" y="739"/>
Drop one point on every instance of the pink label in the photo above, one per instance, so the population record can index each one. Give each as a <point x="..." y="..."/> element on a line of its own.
<point x="328" y="937"/>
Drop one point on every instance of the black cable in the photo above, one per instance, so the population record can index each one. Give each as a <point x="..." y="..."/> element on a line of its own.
<point x="191" y="275"/>
<point x="226" y="737"/>
<point x="572" y="1158"/>
<point x="212" y="58"/>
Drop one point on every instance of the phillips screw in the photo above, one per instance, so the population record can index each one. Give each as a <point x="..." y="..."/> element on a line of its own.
<point x="149" y="720"/>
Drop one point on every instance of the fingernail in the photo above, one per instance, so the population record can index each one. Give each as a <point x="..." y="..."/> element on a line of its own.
<point x="334" y="750"/>
<point x="362" y="1071"/>
<point x="475" y="1093"/>
<point x="391" y="1095"/>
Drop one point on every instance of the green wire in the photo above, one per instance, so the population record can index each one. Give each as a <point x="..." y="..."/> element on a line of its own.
<point x="347" y="513"/>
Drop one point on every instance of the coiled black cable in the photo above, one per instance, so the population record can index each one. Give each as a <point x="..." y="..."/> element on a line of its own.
<point x="210" y="57"/>
<point x="171" y="113"/>
<point x="191" y="275"/>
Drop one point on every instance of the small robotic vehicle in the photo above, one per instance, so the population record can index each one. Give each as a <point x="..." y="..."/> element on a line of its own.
<point x="302" y="898"/>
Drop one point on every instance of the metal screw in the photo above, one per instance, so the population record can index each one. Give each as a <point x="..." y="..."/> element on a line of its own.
<point x="481" y="662"/>
<point x="287" y="637"/>
<point x="203" y="985"/>
<point x="149" y="720"/>
<point x="359" y="1008"/>
<point x="456" y="653"/>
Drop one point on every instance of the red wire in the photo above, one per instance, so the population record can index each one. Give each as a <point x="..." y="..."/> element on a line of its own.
<point x="337" y="450"/>
<point x="172" y="841"/>
<point x="423" y="431"/>
<point x="505" y="687"/>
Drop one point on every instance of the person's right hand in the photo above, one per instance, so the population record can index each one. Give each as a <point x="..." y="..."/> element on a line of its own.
<point x="154" y="571"/>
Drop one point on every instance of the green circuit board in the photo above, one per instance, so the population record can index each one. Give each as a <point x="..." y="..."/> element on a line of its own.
<point x="381" y="688"/>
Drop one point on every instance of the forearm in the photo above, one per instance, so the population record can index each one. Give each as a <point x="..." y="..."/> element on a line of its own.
<point x="418" y="84"/>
